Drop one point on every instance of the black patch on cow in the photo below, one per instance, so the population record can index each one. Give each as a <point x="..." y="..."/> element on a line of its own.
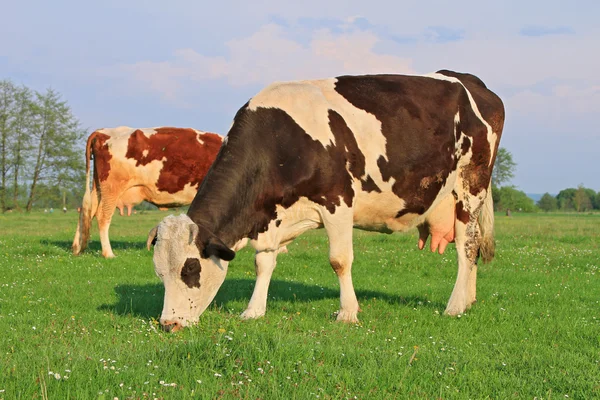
<point x="190" y="273"/>
<point x="466" y="144"/>
<point x="217" y="249"/>
<point x="277" y="223"/>
<point x="461" y="213"/>
<point x="369" y="185"/>
<point x="345" y="143"/>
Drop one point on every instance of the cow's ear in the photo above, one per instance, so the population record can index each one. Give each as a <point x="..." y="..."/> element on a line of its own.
<point x="193" y="233"/>
<point x="151" y="237"/>
<point x="215" y="247"/>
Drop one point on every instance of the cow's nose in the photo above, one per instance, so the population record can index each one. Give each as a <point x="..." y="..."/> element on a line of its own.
<point x="171" y="326"/>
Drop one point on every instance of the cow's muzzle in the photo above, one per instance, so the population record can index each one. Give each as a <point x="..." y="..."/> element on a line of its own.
<point x="171" y="326"/>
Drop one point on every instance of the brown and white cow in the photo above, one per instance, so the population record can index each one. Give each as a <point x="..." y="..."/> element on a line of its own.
<point x="163" y="166"/>
<point x="381" y="152"/>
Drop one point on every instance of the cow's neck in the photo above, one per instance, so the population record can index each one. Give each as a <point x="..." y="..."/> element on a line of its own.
<point x="227" y="202"/>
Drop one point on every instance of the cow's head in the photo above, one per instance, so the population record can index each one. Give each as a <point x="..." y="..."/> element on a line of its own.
<point x="192" y="263"/>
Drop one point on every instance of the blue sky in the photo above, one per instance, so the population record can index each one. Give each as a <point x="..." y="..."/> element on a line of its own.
<point x="183" y="63"/>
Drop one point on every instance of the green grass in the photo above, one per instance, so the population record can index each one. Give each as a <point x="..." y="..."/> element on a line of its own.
<point x="534" y="333"/>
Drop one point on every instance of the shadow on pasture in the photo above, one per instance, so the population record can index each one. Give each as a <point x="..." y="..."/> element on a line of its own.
<point x="143" y="301"/>
<point x="146" y="301"/>
<point x="94" y="245"/>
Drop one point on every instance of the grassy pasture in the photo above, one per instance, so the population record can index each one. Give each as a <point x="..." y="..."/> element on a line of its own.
<point x="85" y="327"/>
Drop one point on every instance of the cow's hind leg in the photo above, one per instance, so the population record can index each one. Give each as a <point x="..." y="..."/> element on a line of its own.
<point x="339" y="232"/>
<point x="88" y="211"/>
<point x="265" y="262"/>
<point x="106" y="209"/>
<point x="468" y="241"/>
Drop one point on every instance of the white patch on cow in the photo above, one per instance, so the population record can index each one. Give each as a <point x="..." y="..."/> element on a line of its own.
<point x="150" y="131"/>
<point x="145" y="153"/>
<point x="118" y="131"/>
<point x="303" y="102"/>
<point x="377" y="211"/>
<point x="182" y="197"/>
<point x="199" y="135"/>
<point x="491" y="136"/>
<point x="295" y="220"/>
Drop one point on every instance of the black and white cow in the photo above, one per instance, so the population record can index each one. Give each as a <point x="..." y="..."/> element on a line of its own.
<point x="380" y="152"/>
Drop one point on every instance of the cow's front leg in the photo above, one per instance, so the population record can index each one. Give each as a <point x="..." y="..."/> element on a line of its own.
<point x="339" y="231"/>
<point x="265" y="262"/>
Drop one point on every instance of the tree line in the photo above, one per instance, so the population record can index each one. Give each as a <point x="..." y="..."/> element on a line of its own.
<point x="508" y="197"/>
<point x="42" y="161"/>
<point x="41" y="150"/>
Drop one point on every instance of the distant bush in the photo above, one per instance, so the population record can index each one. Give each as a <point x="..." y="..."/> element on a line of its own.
<point x="510" y="198"/>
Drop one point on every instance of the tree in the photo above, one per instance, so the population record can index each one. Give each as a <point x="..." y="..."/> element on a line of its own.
<point x="596" y="201"/>
<point x="591" y="194"/>
<point x="581" y="200"/>
<point x="21" y="140"/>
<point x="41" y="148"/>
<point x="509" y="197"/>
<point x="55" y="132"/>
<point x="504" y="167"/>
<point x="7" y="91"/>
<point x="547" y="202"/>
<point x="565" y="199"/>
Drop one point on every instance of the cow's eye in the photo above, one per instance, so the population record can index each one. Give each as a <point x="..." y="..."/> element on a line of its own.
<point x="190" y="273"/>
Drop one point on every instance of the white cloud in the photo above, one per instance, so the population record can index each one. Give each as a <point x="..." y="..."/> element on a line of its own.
<point x="263" y="57"/>
<point x="558" y="108"/>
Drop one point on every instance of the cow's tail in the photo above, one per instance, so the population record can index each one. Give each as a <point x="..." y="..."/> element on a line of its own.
<point x="82" y="235"/>
<point x="486" y="224"/>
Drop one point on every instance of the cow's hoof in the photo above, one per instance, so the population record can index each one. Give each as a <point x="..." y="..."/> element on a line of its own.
<point x="347" y="316"/>
<point x="453" y="311"/>
<point x="252" y="314"/>
<point x="282" y="250"/>
<point x="108" y="255"/>
<point x="471" y="302"/>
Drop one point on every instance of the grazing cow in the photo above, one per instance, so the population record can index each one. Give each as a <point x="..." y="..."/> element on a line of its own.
<point x="163" y="166"/>
<point x="382" y="152"/>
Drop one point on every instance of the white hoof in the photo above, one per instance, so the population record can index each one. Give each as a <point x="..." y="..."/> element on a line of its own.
<point x="455" y="309"/>
<point x="347" y="316"/>
<point x="252" y="314"/>
<point x="282" y="250"/>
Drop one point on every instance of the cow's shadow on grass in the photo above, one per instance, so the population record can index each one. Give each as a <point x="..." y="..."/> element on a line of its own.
<point x="94" y="245"/>
<point x="146" y="301"/>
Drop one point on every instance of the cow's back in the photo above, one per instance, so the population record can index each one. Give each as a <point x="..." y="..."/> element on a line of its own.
<point x="165" y="160"/>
